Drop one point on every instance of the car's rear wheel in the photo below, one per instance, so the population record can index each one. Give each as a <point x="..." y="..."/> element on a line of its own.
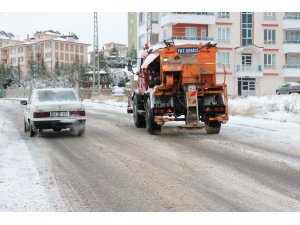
<point x="78" y="129"/>
<point x="31" y="131"/>
<point x="57" y="129"/>
<point x="81" y="131"/>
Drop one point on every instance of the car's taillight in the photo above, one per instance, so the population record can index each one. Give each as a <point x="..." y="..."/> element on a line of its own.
<point x="41" y="114"/>
<point x="77" y="113"/>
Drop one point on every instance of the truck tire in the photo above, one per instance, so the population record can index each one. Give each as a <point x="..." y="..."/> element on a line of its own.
<point x="139" y="120"/>
<point x="213" y="127"/>
<point x="151" y="127"/>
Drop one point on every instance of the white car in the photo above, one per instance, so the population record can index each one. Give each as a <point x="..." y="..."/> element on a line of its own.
<point x="56" y="109"/>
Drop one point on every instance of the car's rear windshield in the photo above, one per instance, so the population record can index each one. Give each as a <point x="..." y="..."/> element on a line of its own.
<point x="54" y="95"/>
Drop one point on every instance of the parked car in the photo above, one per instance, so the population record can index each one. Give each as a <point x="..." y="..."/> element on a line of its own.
<point x="288" y="88"/>
<point x="117" y="91"/>
<point x="56" y="109"/>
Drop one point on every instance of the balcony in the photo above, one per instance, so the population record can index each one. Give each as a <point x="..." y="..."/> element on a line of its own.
<point x="291" y="70"/>
<point x="197" y="18"/>
<point x="4" y="56"/>
<point x="291" y="46"/>
<point x="249" y="70"/>
<point x="291" y="22"/>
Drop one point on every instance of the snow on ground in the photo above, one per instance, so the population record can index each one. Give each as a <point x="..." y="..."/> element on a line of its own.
<point x="283" y="108"/>
<point x="113" y="104"/>
<point x="21" y="187"/>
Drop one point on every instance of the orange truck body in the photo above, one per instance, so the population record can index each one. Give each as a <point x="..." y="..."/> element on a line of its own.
<point x="184" y="76"/>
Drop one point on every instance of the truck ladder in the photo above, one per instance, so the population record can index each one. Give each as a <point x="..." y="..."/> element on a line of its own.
<point x="192" y="116"/>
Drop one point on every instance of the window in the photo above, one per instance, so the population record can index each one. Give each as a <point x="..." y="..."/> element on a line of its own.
<point x="13" y="60"/>
<point x="165" y="34"/>
<point x="20" y="49"/>
<point x="47" y="45"/>
<point x="223" y="15"/>
<point x="48" y="55"/>
<point x="246" y="61"/>
<point x="67" y="47"/>
<point x="141" y="19"/>
<point x="292" y="36"/>
<point x="203" y="33"/>
<point x="191" y="33"/>
<point x="154" y="17"/>
<point x="247" y="28"/>
<point x="269" y="61"/>
<point x="142" y="41"/>
<point x="293" y="60"/>
<point x="13" y="51"/>
<point x="269" y="16"/>
<point x="154" y="38"/>
<point x="223" y="35"/>
<point x="223" y="57"/>
<point x="20" y="59"/>
<point x="269" y="36"/>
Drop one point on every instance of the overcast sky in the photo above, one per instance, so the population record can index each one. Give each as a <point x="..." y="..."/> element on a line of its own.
<point x="111" y="26"/>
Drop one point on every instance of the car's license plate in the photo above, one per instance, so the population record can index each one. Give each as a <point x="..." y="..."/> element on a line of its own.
<point x="59" y="114"/>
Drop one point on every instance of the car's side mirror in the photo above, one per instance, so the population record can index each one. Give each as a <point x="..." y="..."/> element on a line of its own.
<point x="23" y="102"/>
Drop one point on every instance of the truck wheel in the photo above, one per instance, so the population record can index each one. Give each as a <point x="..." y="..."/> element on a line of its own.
<point x="151" y="127"/>
<point x="139" y="120"/>
<point x="213" y="127"/>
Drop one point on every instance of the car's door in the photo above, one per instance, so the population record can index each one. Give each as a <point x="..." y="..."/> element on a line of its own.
<point x="284" y="89"/>
<point x="281" y="89"/>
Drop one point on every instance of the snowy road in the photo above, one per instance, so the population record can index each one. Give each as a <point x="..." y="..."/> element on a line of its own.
<point x="252" y="165"/>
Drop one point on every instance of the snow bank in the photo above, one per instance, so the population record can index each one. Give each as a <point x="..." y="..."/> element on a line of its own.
<point x="21" y="187"/>
<point x="111" y="102"/>
<point x="283" y="108"/>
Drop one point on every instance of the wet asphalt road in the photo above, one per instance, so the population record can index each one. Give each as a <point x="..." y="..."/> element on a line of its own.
<point x="117" y="167"/>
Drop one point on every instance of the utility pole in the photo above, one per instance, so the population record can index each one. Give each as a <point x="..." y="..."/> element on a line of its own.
<point x="96" y="49"/>
<point x="149" y="28"/>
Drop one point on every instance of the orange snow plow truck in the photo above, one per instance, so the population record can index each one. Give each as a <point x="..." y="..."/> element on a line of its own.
<point x="178" y="83"/>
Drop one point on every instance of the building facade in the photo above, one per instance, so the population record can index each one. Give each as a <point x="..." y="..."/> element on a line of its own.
<point x="260" y="50"/>
<point x="115" y="49"/>
<point x="48" y="46"/>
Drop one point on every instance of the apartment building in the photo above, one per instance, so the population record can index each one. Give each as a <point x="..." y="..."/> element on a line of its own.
<point x="50" y="46"/>
<point x="260" y="50"/>
<point x="115" y="49"/>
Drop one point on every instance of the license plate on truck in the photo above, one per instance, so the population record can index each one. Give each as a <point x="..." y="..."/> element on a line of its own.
<point x="59" y="114"/>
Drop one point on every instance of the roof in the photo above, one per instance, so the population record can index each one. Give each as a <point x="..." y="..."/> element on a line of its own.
<point x="254" y="48"/>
